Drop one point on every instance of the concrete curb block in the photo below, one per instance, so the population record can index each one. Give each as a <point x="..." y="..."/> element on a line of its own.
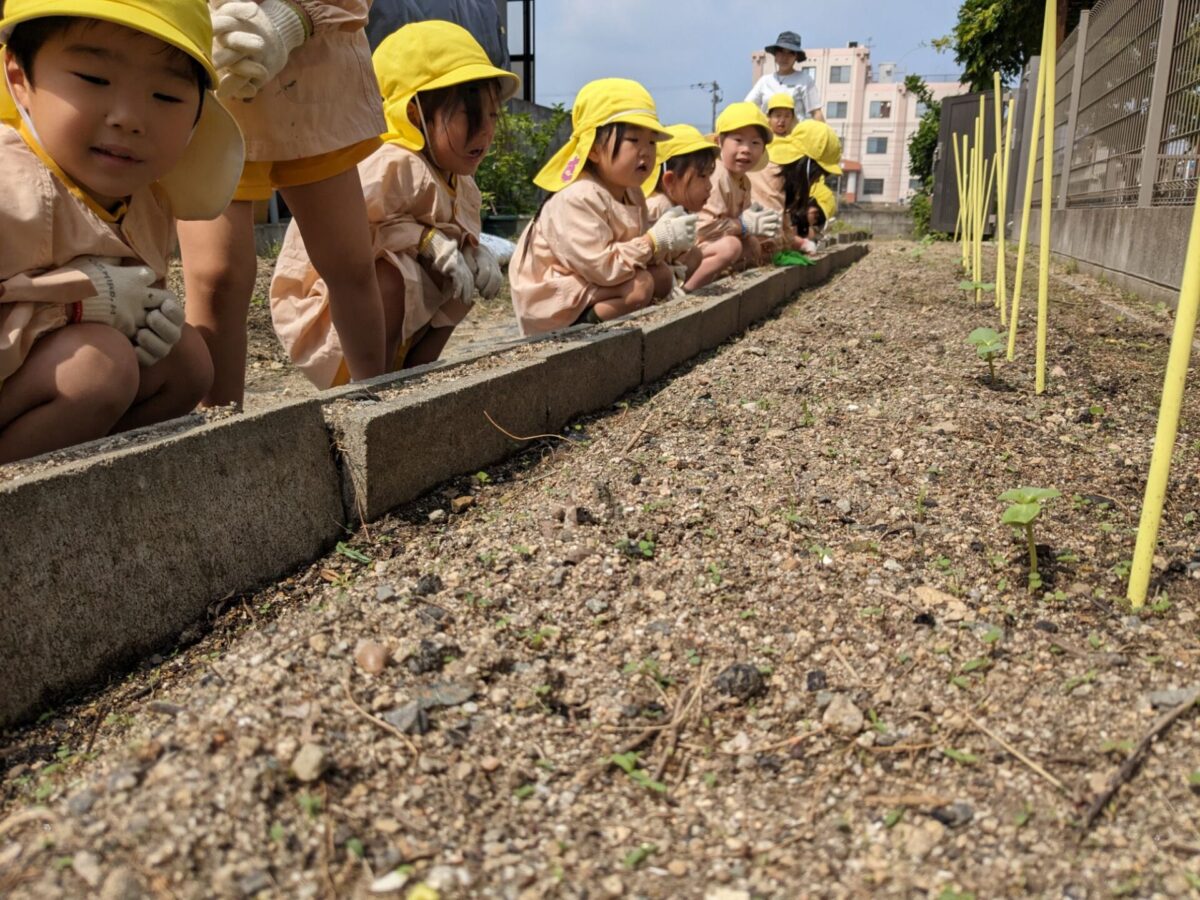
<point x="108" y="558"/>
<point x="112" y="556"/>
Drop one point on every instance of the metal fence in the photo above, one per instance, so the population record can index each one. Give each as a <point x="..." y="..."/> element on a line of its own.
<point x="1127" y="106"/>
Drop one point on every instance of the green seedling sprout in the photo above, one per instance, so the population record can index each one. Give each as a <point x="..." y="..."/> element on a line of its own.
<point x="988" y="345"/>
<point x="1026" y="506"/>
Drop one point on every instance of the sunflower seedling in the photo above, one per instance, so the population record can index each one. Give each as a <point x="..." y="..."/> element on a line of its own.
<point x="1025" y="506"/>
<point x="988" y="346"/>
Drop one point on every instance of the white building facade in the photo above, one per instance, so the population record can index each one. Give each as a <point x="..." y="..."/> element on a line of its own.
<point x="872" y="112"/>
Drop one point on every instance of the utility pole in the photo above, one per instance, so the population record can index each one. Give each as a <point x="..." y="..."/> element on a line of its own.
<point x="714" y="90"/>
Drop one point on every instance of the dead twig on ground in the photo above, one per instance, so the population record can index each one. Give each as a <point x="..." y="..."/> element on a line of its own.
<point x="533" y="437"/>
<point x="637" y="435"/>
<point x="378" y="722"/>
<point x="1131" y="765"/>
<point x="1019" y="755"/>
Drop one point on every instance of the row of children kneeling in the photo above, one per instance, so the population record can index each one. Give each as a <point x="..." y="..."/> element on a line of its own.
<point x="382" y="260"/>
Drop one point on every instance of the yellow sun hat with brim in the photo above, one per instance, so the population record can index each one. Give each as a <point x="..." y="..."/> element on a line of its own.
<point x="425" y="56"/>
<point x="605" y="101"/>
<point x="782" y="100"/>
<point x="821" y="144"/>
<point x="684" y="139"/>
<point x="742" y="115"/>
<point x="820" y="192"/>
<point x="202" y="183"/>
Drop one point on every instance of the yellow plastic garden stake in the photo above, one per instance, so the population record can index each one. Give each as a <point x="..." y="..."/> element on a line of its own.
<point x="961" y="168"/>
<point x="1168" y="419"/>
<point x="1001" y="163"/>
<point x="980" y="198"/>
<point x="959" y="184"/>
<point x="1003" y="264"/>
<point x="1050" y="62"/>
<point x="1027" y="204"/>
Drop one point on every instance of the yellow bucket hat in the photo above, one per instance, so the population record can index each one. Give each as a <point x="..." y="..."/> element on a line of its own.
<point x="782" y="100"/>
<point x="605" y="101"/>
<point x="741" y="114"/>
<point x="820" y="192"/>
<point x="203" y="181"/>
<point x="821" y="144"/>
<point x="425" y="56"/>
<point x="682" y="140"/>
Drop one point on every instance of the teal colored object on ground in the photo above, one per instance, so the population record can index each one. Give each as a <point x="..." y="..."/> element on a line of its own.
<point x="791" y="258"/>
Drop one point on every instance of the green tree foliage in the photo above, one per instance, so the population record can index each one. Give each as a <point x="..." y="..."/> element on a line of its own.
<point x="921" y="148"/>
<point x="1001" y="36"/>
<point x="521" y="147"/>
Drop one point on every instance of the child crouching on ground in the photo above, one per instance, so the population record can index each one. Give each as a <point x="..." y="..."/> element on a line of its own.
<point x="683" y="180"/>
<point x="442" y="98"/>
<point x="109" y="132"/>
<point x="798" y="163"/>
<point x="822" y="207"/>
<point x="730" y="227"/>
<point x="587" y="256"/>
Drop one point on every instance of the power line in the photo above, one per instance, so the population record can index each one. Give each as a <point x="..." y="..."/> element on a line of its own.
<point x="714" y="91"/>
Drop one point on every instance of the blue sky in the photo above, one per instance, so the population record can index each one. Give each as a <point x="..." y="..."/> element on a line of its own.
<point x="670" y="44"/>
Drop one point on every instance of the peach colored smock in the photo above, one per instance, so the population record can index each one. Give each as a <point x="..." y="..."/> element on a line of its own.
<point x="722" y="213"/>
<point x="405" y="196"/>
<point x="326" y="97"/>
<point x="767" y="187"/>
<point x="583" y="239"/>
<point x="46" y="221"/>
<point x="657" y="204"/>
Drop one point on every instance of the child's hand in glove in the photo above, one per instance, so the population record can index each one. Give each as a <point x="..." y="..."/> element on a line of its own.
<point x="161" y="332"/>
<point x="762" y="222"/>
<point x="124" y="294"/>
<point x="252" y="43"/>
<point x="485" y="269"/>
<point x="448" y="261"/>
<point x="674" y="232"/>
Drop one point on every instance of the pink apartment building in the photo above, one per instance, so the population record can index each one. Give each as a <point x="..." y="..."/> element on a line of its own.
<point x="870" y="109"/>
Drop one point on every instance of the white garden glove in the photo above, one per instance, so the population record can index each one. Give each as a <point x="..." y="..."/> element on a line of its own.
<point x="485" y="269"/>
<point x="762" y="222"/>
<point x="674" y="232"/>
<point x="160" y="334"/>
<point x="807" y="246"/>
<point x="678" y="279"/>
<point x="124" y="294"/>
<point x="252" y="42"/>
<point x="448" y="261"/>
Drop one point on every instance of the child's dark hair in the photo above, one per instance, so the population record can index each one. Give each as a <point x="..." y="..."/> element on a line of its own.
<point x="702" y="162"/>
<point x="605" y="133"/>
<point x="764" y="133"/>
<point x="30" y="36"/>
<point x="821" y="218"/>
<point x="798" y="177"/>
<point x="467" y="96"/>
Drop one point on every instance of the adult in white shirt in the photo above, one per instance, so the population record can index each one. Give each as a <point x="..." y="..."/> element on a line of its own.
<point x="786" y="78"/>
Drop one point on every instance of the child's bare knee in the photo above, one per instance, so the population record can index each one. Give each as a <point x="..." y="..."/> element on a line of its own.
<point x="642" y="292"/>
<point x="192" y="368"/>
<point x="103" y="373"/>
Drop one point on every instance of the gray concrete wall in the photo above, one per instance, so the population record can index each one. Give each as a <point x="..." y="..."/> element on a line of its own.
<point x="887" y="222"/>
<point x="1138" y="249"/>
<point x="110" y="556"/>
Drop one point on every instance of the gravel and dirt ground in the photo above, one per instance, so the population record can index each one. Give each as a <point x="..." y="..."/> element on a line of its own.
<point x="757" y="631"/>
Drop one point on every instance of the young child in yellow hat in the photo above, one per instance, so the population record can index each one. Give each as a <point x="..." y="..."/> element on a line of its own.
<point x="731" y="227"/>
<point x="781" y="113"/>
<point x="442" y="99"/>
<point x="591" y="254"/>
<point x="108" y="132"/>
<point x="798" y="162"/>
<point x="686" y="163"/>
<point x="297" y="76"/>
<point x="822" y="207"/>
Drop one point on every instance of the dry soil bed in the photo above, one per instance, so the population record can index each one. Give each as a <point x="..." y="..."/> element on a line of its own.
<point x="816" y="503"/>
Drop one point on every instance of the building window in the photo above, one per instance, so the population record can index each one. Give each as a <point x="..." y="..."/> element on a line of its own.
<point x="872" y="186"/>
<point x="877" y="145"/>
<point x="915" y="184"/>
<point x="810" y="71"/>
<point x="835" y="109"/>
<point x="922" y="108"/>
<point x="881" y="109"/>
<point x="839" y="74"/>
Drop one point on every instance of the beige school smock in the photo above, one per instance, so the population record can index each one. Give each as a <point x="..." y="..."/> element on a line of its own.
<point x="325" y="98"/>
<point x="583" y="239"/>
<point x="657" y="204"/>
<point x="405" y="196"/>
<point x="722" y="213"/>
<point x="46" y="221"/>
<point x="767" y="187"/>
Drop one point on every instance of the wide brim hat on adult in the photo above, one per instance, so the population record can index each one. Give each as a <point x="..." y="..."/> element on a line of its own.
<point x="741" y="115"/>
<point x="605" y="101"/>
<point x="202" y="183"/>
<point x="788" y="40"/>
<point x="684" y="139"/>
<point x="425" y="56"/>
